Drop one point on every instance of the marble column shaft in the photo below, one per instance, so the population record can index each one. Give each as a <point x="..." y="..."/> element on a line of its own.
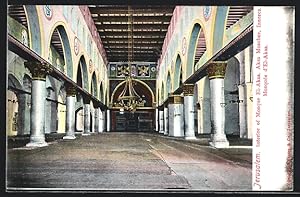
<point x="70" y="115"/>
<point x="96" y="119"/>
<point x="156" y="120"/>
<point x="216" y="73"/>
<point x="108" y="126"/>
<point x="189" y="111"/>
<point x="166" y="120"/>
<point x="243" y="111"/>
<point x="176" y="119"/>
<point x="161" y="121"/>
<point x="86" y="120"/>
<point x="100" y="121"/>
<point x="38" y="98"/>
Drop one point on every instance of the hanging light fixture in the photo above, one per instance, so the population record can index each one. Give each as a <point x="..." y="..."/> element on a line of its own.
<point x="129" y="99"/>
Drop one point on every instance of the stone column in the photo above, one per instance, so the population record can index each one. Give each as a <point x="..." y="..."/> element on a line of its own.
<point x="161" y="120"/>
<point x="92" y="114"/>
<point x="100" y="121"/>
<point x="176" y="119"/>
<point x="156" y="120"/>
<point x="216" y="73"/>
<point x="70" y="115"/>
<point x="87" y="118"/>
<point x="166" y="119"/>
<point x="108" y="126"/>
<point x="243" y="111"/>
<point x="242" y="97"/>
<point x="96" y="119"/>
<point x="38" y="98"/>
<point x="189" y="111"/>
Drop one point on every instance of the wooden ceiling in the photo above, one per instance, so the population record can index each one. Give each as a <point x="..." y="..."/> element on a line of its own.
<point x="236" y="13"/>
<point x="17" y="12"/>
<point x="149" y="28"/>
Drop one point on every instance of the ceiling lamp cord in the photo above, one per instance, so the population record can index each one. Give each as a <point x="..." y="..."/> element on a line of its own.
<point x="129" y="99"/>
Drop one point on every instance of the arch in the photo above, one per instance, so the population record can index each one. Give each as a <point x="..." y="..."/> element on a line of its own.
<point x="94" y="90"/>
<point x="219" y="27"/>
<point x="82" y="74"/>
<point x="13" y="82"/>
<point x="134" y="80"/>
<point x="64" y="38"/>
<point x="27" y="83"/>
<point x="51" y="85"/>
<point x="17" y="107"/>
<point x="168" y="85"/>
<point x="51" y="105"/>
<point x="101" y="93"/>
<point x="79" y="119"/>
<point x="34" y="30"/>
<point x="196" y="47"/>
<point x="105" y="98"/>
<point x="178" y="73"/>
<point x="162" y="92"/>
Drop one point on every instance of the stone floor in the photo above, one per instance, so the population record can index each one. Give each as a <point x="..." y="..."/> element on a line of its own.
<point x="127" y="161"/>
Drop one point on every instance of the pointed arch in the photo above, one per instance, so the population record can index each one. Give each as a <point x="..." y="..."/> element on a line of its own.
<point x="82" y="74"/>
<point x="94" y="90"/>
<point x="62" y="42"/>
<point x="196" y="47"/>
<point x="34" y="30"/>
<point x="178" y="73"/>
<point x="168" y="85"/>
<point x="219" y="27"/>
<point x="101" y="93"/>
<point x="141" y="86"/>
<point x="162" y="93"/>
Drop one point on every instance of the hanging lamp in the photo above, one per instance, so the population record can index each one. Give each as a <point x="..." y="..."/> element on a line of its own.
<point x="129" y="99"/>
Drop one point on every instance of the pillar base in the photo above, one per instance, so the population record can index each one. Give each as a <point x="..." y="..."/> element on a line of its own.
<point x="166" y="133"/>
<point x="86" y="134"/>
<point x="69" y="137"/>
<point x="190" y="138"/>
<point x="219" y="141"/>
<point x="37" y="144"/>
<point x="161" y="132"/>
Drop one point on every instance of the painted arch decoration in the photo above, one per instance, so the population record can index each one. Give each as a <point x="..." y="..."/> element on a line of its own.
<point x="33" y="28"/>
<point x="59" y="34"/>
<point x="196" y="48"/>
<point x="178" y="73"/>
<point x="82" y="74"/>
<point x="142" y="89"/>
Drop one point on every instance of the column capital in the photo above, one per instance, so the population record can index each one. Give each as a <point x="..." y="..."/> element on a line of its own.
<point x="188" y="89"/>
<point x="70" y="89"/>
<point x="86" y="99"/>
<point x="38" y="70"/>
<point x="216" y="69"/>
<point x="175" y="99"/>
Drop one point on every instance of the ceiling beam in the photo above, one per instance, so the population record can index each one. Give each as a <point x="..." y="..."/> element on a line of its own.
<point x="138" y="26"/>
<point x="105" y="10"/>
<point x="135" y="19"/>
<point x="150" y="34"/>
<point x="117" y="45"/>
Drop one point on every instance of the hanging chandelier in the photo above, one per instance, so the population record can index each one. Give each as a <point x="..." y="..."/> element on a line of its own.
<point x="129" y="99"/>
